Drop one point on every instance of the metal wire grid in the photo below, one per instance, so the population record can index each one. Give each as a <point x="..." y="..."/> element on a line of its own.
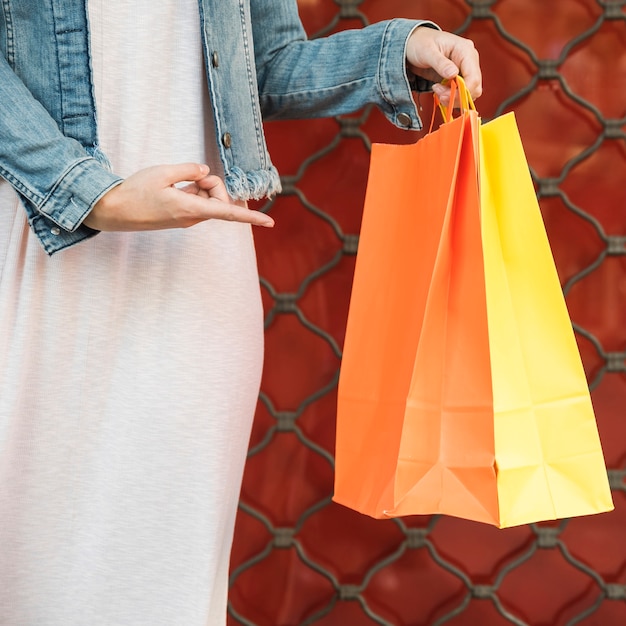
<point x="545" y="538"/>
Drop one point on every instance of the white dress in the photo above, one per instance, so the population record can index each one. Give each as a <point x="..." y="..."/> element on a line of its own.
<point x="129" y="368"/>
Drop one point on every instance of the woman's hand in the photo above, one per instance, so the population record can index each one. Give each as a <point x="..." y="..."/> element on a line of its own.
<point x="149" y="200"/>
<point x="437" y="55"/>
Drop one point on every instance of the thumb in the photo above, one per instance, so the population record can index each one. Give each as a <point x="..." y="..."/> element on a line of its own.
<point x="172" y="174"/>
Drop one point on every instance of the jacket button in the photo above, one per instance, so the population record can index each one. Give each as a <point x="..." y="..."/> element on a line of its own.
<point x="215" y="59"/>
<point x="55" y="230"/>
<point x="404" y="119"/>
<point x="227" y="140"/>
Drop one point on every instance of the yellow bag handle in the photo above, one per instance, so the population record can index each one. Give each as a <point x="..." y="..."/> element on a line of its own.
<point x="465" y="100"/>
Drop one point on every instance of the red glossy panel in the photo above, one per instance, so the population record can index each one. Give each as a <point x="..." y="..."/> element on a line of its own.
<point x="414" y="590"/>
<point x="273" y="482"/>
<point x="284" y="479"/>
<point x="346" y="614"/>
<point x="547" y="589"/>
<point x="317" y="421"/>
<point x="316" y="14"/>
<point x="506" y="68"/>
<point x="609" y="400"/>
<point x="280" y="590"/>
<point x="449" y="15"/>
<point x="327" y="299"/>
<point x="592" y="359"/>
<point x="547" y="27"/>
<point x="336" y="183"/>
<point x="590" y="76"/>
<point x="608" y="614"/>
<point x="600" y="541"/>
<point x="252" y="538"/>
<point x="298" y="363"/>
<point x="601" y="175"/>
<point x="263" y="422"/>
<point x="345" y="534"/>
<point x="297" y="246"/>
<point x="478" y="549"/>
<point x="292" y="142"/>
<point x="423" y="522"/>
<point x="598" y="303"/>
<point x="564" y="226"/>
<point x="267" y="300"/>
<point x="479" y="613"/>
<point x="554" y="129"/>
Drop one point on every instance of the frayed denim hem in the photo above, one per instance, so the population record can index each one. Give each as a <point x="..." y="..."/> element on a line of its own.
<point x="253" y="185"/>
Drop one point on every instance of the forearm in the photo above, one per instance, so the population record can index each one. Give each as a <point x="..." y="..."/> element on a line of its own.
<point x="57" y="178"/>
<point x="332" y="75"/>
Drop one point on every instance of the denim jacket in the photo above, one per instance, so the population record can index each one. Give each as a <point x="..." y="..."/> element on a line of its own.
<point x="259" y="65"/>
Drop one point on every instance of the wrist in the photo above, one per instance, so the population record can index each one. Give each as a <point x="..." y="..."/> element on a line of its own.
<point x="103" y="206"/>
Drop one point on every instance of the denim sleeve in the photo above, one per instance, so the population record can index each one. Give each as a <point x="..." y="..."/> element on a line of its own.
<point x="57" y="179"/>
<point x="332" y="75"/>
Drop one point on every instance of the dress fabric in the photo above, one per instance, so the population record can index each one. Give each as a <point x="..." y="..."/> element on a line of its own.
<point x="129" y="368"/>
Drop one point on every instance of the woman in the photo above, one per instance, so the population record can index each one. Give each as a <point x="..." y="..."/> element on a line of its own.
<point x="130" y="361"/>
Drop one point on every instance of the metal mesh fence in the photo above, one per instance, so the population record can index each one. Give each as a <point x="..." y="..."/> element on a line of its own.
<point x="601" y="20"/>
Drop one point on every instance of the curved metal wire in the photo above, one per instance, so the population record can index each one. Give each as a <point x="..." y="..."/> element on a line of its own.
<point x="545" y="538"/>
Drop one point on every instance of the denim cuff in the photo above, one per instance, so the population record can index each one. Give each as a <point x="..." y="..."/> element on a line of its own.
<point x="398" y="104"/>
<point x="76" y="192"/>
<point x="57" y="220"/>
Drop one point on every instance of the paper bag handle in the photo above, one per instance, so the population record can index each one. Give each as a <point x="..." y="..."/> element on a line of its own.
<point x="465" y="100"/>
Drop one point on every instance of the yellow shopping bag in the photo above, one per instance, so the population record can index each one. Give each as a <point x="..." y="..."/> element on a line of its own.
<point x="548" y="456"/>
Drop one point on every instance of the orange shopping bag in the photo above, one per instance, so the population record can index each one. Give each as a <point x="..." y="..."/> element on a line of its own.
<point x="461" y="389"/>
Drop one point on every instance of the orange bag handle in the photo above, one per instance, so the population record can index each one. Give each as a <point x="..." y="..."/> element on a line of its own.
<point x="465" y="100"/>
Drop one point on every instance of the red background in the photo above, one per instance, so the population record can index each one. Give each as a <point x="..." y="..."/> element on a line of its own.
<point x="300" y="559"/>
